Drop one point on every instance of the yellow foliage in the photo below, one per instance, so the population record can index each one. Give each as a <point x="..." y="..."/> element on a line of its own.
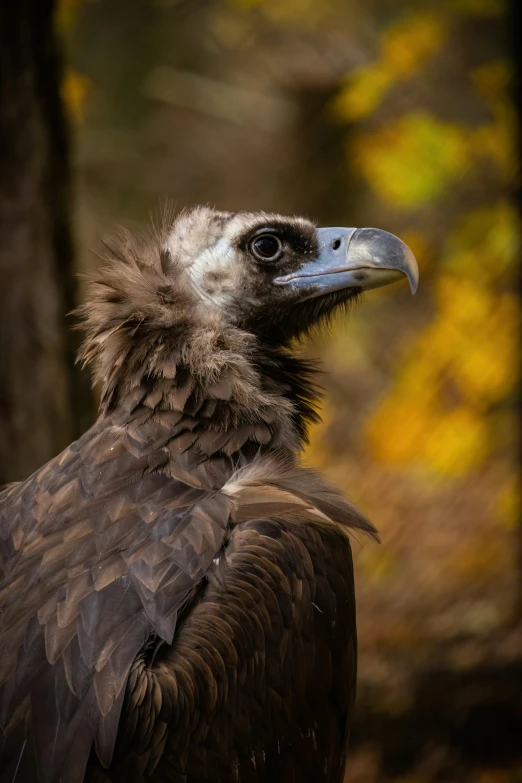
<point x="363" y="93"/>
<point x="396" y="430"/>
<point x="472" y="347"/>
<point x="405" y="47"/>
<point x="463" y="303"/>
<point x="456" y="442"/>
<point x="75" y="88"/>
<point x="464" y="363"/>
<point x="420" y="433"/>
<point x="413" y="160"/>
<point x="487" y="239"/>
<point x="489" y="371"/>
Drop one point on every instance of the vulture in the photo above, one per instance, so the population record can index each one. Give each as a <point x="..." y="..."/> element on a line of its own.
<point x="176" y="593"/>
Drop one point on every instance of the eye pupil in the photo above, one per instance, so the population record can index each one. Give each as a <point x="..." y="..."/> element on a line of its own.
<point x="266" y="246"/>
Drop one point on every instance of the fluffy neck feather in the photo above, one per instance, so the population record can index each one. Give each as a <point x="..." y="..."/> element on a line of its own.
<point x="156" y="348"/>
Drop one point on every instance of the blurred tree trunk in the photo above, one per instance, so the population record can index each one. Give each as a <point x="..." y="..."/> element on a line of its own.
<point x="320" y="182"/>
<point x="43" y="400"/>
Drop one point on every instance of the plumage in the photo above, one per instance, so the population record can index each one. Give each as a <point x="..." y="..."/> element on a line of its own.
<point x="176" y="589"/>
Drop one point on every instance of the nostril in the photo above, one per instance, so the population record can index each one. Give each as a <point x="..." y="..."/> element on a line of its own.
<point x="337" y="244"/>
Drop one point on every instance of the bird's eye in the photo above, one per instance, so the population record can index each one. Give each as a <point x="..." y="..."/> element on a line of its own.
<point x="266" y="247"/>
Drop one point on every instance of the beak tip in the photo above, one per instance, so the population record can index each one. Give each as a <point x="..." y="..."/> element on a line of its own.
<point x="383" y="250"/>
<point x="412" y="271"/>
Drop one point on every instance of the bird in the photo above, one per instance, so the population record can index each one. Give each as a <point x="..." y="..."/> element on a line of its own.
<point x="177" y="593"/>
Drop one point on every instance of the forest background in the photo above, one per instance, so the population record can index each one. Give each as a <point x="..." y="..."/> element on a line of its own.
<point x="393" y="113"/>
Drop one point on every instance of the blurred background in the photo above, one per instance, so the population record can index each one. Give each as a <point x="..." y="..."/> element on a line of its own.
<point x="391" y="113"/>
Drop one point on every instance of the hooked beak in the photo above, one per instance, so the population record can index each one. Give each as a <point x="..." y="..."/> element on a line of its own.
<point x="360" y="258"/>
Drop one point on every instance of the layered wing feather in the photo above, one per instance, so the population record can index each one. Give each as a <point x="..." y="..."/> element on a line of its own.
<point x="259" y="682"/>
<point x="100" y="551"/>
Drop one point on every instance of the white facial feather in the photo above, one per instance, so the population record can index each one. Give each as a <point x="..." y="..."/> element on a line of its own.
<point x="205" y="242"/>
<point x="215" y="272"/>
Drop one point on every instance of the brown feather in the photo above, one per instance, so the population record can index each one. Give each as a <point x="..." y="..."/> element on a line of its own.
<point x="176" y="590"/>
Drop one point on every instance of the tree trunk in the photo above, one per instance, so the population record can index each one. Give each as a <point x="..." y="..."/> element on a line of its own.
<point x="43" y="400"/>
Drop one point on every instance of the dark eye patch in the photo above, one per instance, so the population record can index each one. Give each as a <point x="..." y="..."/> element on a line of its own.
<point x="297" y="239"/>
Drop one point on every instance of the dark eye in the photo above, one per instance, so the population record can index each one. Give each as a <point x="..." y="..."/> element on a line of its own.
<point x="267" y="247"/>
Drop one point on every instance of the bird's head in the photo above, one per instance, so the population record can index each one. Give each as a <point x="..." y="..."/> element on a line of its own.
<point x="276" y="276"/>
<point x="222" y="294"/>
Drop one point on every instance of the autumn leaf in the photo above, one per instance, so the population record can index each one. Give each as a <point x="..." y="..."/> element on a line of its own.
<point x="405" y="46"/>
<point x="411" y="161"/>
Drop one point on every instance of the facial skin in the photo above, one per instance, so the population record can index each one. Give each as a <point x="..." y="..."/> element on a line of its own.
<point x="276" y="276"/>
